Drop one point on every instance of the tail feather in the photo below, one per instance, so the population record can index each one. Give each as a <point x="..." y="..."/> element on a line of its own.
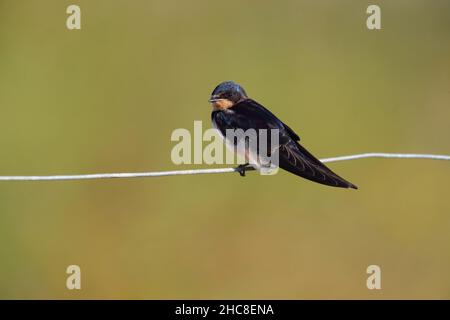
<point x="296" y="159"/>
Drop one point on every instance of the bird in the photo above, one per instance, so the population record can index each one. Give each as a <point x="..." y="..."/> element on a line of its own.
<point x="233" y="109"/>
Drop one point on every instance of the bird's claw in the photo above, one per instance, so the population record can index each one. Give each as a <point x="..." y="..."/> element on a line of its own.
<point x="241" y="169"/>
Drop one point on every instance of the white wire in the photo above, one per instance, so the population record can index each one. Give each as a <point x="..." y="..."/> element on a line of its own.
<point x="387" y="155"/>
<point x="210" y="171"/>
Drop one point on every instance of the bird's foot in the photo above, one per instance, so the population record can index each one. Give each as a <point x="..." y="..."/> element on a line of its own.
<point x="241" y="169"/>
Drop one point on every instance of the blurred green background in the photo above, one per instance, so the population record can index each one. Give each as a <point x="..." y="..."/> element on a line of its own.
<point x="107" y="97"/>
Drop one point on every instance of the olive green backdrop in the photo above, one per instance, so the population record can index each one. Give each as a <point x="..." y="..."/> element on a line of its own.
<point x="106" y="98"/>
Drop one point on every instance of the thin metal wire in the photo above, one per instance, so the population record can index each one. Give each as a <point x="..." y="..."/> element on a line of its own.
<point x="210" y="171"/>
<point x="387" y="155"/>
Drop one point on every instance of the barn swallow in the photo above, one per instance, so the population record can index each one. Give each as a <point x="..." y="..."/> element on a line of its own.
<point x="233" y="109"/>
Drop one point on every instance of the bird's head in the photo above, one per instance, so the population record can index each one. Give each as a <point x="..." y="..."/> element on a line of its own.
<point x="226" y="95"/>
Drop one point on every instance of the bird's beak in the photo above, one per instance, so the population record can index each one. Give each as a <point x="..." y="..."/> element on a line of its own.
<point x="214" y="99"/>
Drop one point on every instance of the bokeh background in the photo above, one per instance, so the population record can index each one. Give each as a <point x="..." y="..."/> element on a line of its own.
<point x="106" y="98"/>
